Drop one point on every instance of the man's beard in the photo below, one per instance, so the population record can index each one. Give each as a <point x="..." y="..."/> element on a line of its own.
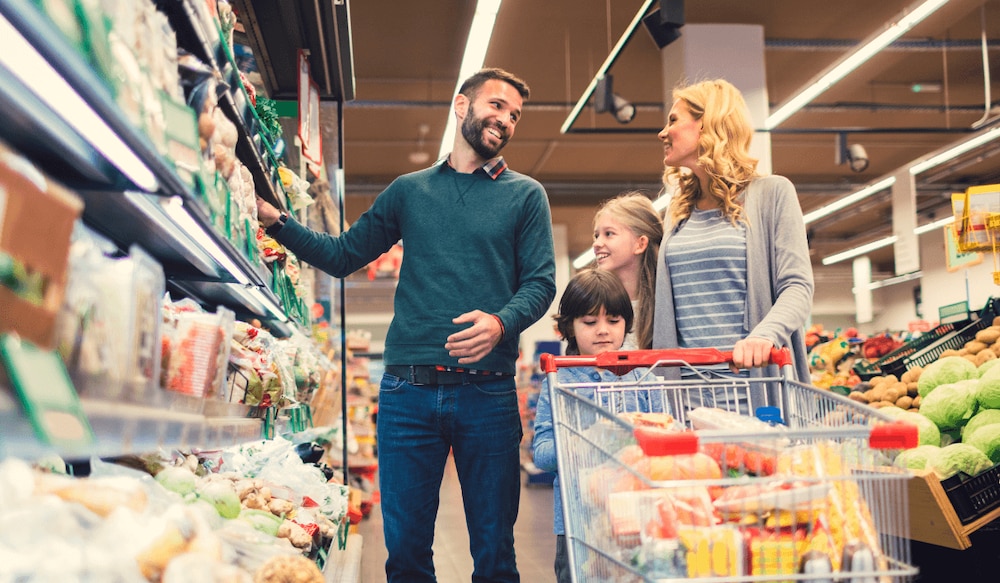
<point x="472" y="130"/>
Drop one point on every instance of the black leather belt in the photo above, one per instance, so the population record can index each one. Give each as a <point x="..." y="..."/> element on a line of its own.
<point x="430" y="375"/>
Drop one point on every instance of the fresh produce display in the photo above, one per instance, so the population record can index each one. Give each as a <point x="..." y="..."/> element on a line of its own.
<point x="255" y="513"/>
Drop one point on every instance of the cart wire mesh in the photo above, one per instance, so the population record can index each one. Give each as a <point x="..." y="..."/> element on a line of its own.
<point x="710" y="493"/>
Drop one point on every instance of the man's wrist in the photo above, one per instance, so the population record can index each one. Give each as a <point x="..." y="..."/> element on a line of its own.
<point x="503" y="330"/>
<point x="276" y="226"/>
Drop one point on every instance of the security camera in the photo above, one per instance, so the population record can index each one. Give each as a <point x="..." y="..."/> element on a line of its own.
<point x="857" y="157"/>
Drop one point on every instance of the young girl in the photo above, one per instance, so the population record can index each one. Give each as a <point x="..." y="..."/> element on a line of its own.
<point x="594" y="313"/>
<point x="627" y="234"/>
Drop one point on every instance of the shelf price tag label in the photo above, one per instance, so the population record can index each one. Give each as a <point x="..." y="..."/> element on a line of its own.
<point x="47" y="394"/>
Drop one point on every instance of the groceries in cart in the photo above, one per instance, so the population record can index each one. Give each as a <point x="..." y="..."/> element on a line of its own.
<point x="713" y="494"/>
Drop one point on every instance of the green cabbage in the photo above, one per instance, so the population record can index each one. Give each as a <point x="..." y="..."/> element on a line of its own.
<point x="950" y="406"/>
<point x="943" y="371"/>
<point x="981" y="419"/>
<point x="987" y="366"/>
<point x="958" y="457"/>
<point x="927" y="432"/>
<point x="222" y="496"/>
<point x="916" y="458"/>
<point x="989" y="389"/>
<point x="987" y="440"/>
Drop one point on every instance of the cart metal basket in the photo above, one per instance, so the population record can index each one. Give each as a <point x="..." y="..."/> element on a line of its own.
<point x="710" y="493"/>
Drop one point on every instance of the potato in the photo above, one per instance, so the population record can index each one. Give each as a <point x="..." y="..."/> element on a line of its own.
<point x="950" y="352"/>
<point x="975" y="346"/>
<point x="996" y="321"/>
<point x="984" y="356"/>
<point x="904" y="402"/>
<point x="916" y="401"/>
<point x="988" y="335"/>
<point x="970" y="357"/>
<point x="892" y="393"/>
<point x="912" y="389"/>
<point x="858" y="396"/>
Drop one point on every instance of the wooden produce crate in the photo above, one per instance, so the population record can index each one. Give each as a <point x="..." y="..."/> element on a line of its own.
<point x="933" y="516"/>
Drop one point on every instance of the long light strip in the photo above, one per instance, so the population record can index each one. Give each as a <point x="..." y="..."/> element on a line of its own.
<point x="875" y="43"/>
<point x="21" y="58"/>
<point x="603" y="70"/>
<point x="838" y="257"/>
<point x="955" y="151"/>
<point x="174" y="207"/>
<point x="935" y="225"/>
<point x="849" y="199"/>
<point x="885" y="242"/>
<point x="472" y="60"/>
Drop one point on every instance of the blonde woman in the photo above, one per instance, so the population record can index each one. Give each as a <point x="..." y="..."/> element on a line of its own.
<point x="627" y="234"/>
<point x="734" y="269"/>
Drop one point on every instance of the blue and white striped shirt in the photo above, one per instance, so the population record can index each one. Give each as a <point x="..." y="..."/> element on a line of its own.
<point x="708" y="273"/>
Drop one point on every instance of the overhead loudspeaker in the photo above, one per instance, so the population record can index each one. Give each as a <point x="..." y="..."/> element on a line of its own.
<point x="664" y="25"/>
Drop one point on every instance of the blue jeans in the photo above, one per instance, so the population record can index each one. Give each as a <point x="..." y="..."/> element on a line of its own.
<point x="417" y="427"/>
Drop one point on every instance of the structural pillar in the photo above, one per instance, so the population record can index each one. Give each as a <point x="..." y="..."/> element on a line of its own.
<point x="734" y="52"/>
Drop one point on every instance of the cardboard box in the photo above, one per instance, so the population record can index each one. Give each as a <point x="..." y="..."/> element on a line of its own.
<point x="36" y="221"/>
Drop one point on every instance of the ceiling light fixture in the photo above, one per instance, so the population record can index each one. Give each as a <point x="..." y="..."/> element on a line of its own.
<point x="472" y="60"/>
<point x="861" y="250"/>
<point x="955" y="151"/>
<point x="607" y="101"/>
<point x="906" y="20"/>
<point x="935" y="225"/>
<point x="21" y="58"/>
<point x="849" y="200"/>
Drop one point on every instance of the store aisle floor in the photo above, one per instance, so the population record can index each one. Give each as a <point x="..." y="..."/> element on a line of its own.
<point x="533" y="538"/>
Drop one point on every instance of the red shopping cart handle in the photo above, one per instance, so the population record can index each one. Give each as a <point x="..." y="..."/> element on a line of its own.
<point x="626" y="360"/>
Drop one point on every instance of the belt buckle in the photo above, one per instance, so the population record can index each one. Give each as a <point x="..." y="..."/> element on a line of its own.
<point x="422" y="375"/>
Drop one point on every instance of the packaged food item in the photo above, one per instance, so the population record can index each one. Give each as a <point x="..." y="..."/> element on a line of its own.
<point x="717" y="551"/>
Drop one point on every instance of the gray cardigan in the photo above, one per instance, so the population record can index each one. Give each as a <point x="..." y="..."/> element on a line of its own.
<point x="779" y="274"/>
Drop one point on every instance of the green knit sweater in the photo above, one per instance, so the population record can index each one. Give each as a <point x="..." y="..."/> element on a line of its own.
<point x="470" y="242"/>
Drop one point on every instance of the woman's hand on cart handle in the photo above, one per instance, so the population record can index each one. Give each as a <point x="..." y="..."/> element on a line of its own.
<point x="752" y="352"/>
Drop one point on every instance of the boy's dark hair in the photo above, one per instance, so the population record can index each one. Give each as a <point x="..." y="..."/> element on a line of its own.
<point x="585" y="294"/>
<point x="473" y="83"/>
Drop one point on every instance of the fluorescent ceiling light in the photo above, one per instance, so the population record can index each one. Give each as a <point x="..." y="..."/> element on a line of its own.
<point x="472" y="60"/>
<point x="838" y="257"/>
<point x="584" y="259"/>
<point x="849" y="200"/>
<point x="17" y="55"/>
<point x="875" y="43"/>
<point x="935" y="225"/>
<point x="174" y="207"/>
<point x="955" y="151"/>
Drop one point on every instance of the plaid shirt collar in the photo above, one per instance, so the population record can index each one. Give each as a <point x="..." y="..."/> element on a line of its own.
<point x="493" y="167"/>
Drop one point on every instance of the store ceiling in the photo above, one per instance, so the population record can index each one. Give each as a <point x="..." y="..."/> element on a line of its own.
<point x="406" y="60"/>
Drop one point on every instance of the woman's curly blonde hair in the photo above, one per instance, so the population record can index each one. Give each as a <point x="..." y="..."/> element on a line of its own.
<point x="723" y="149"/>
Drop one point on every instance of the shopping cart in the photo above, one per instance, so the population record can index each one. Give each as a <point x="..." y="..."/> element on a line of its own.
<point x="719" y="495"/>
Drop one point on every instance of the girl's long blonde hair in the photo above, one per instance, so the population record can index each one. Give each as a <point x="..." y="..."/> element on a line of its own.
<point x="636" y="212"/>
<point x="723" y="149"/>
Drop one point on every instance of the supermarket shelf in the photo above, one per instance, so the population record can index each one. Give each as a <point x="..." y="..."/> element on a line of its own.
<point x="32" y="50"/>
<point x="206" y="45"/>
<point x="123" y="428"/>
<point x="160" y="214"/>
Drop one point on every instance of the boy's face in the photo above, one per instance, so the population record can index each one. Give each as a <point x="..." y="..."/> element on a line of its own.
<point x="599" y="333"/>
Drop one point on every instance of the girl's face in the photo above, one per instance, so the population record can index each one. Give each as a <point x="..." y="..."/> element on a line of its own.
<point x="599" y="333"/>
<point x="616" y="247"/>
<point x="680" y="137"/>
